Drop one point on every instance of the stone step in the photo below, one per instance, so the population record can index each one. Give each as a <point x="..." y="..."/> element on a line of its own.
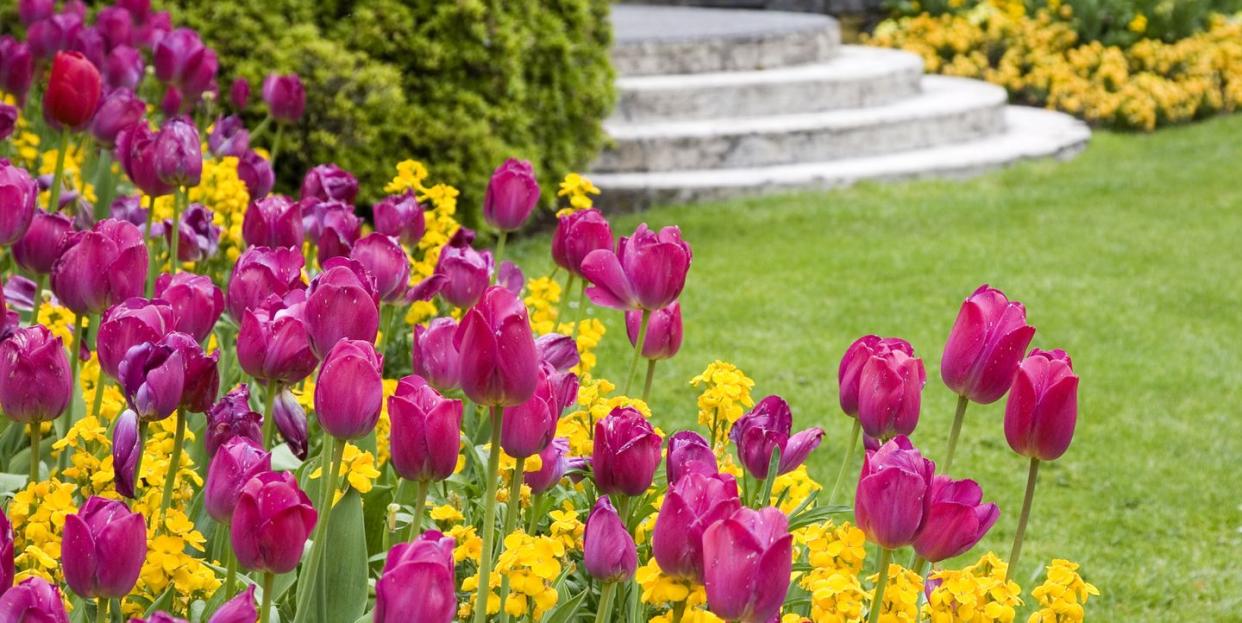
<point x="650" y="40"/>
<point x="947" y="110"/>
<point x="1028" y="133"/>
<point x="857" y="77"/>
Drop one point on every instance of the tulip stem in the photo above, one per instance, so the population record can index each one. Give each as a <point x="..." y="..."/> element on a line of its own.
<point x="230" y="567"/>
<point x="532" y="521"/>
<point x="960" y="415"/>
<point x="280" y="132"/>
<point x="877" y="603"/>
<point x="651" y="363"/>
<point x="638" y="349"/>
<point x="101" y="385"/>
<point x="582" y="304"/>
<point x="174" y="247"/>
<point x="265" y="614"/>
<point x="421" y="488"/>
<point x="310" y="582"/>
<point x="146" y="236"/>
<point x="269" y="424"/>
<point x="53" y="196"/>
<point x="105" y="185"/>
<point x="679" y="610"/>
<point x="79" y="331"/>
<point x="605" y="602"/>
<point x="569" y="290"/>
<point x="101" y="610"/>
<point x="38" y="297"/>
<point x="489" y="520"/>
<point x="512" y="510"/>
<point x="36" y="438"/>
<point x="1016" y="552"/>
<point x="774" y="469"/>
<point x="500" y="253"/>
<point x="845" y="463"/>
<point x="174" y="463"/>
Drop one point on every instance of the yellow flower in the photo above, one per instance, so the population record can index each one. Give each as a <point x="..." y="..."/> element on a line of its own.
<point x="1063" y="594"/>
<point x="660" y="589"/>
<point x="1138" y="24"/>
<point x="567" y="527"/>
<point x="725" y="397"/>
<point x="541" y="303"/>
<point x="578" y="188"/>
<point x="410" y="176"/>
<point x="976" y="594"/>
<point x="531" y="564"/>
<point x="446" y="514"/>
<point x="37" y="514"/>
<point x="357" y="469"/>
<point x="901" y="595"/>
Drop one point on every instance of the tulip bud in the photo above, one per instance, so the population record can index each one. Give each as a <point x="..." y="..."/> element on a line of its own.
<point x="262" y="273"/>
<point x="647" y="270"/>
<point x="200" y="236"/>
<point x="400" y="216"/>
<point x="553" y="465"/>
<point x="271" y="522"/>
<point x="418" y="582"/>
<point x="528" y="427"/>
<point x="387" y="262"/>
<point x="341" y="304"/>
<point x="577" y="234"/>
<point x="626" y="452"/>
<point x="40" y="246"/>
<point x="256" y="173"/>
<point x="90" y="42"/>
<point x="349" y="389"/>
<point x="285" y="97"/>
<point x="511" y="195"/>
<point x="126" y="448"/>
<point x="688" y="453"/>
<point x="135" y="149"/>
<point x="956" y="519"/>
<point x="35" y="382"/>
<point x="426" y="430"/>
<point x="328" y="182"/>
<point x="119" y="110"/>
<point x="232" y="417"/>
<point x="175" y="52"/>
<point x="1042" y="408"/>
<point x="747" y="560"/>
<point x="8" y="120"/>
<point x="238" y="460"/>
<point x="693" y="503"/>
<point x="608" y="550"/>
<point x="434" y="354"/>
<point x="510" y="277"/>
<point x="178" y="153"/>
<point x="894" y="493"/>
<point x="18" y="196"/>
<point x="127" y="324"/>
<point x="202" y="374"/>
<point x="100" y="267"/>
<point x="152" y="375"/>
<point x="464" y="271"/>
<point x="16" y="68"/>
<point x="274" y="221"/>
<point x="6" y="553"/>
<point x="890" y="390"/>
<point x="33" y="601"/>
<point x="195" y="300"/>
<point x="273" y="344"/>
<point x="985" y="346"/>
<point x="766" y="428"/>
<point x="291" y="423"/>
<point x="240" y="609"/>
<point x="239" y="93"/>
<point x="103" y="549"/>
<point x="116" y="25"/>
<point x="49" y="36"/>
<point x="499" y="365"/>
<point x="73" y="91"/>
<point x="663" y="338"/>
<point x="229" y="137"/>
<point x="123" y="68"/>
<point x="9" y="320"/>
<point x="334" y="228"/>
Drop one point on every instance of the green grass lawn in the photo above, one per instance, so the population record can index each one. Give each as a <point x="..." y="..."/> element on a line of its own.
<point x="1128" y="257"/>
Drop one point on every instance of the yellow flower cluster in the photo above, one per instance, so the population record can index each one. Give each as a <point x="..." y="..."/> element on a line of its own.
<point x="567" y="527"/>
<point x="384" y="425"/>
<point x="791" y="489"/>
<point x="595" y="404"/>
<point x="37" y="513"/>
<point x="74" y="176"/>
<point x="60" y="321"/>
<point x="835" y="554"/>
<point x="578" y="188"/>
<point x="1062" y="596"/>
<point x="168" y="563"/>
<point x="901" y="595"/>
<point x="590" y="333"/>
<point x="976" y="594"/>
<point x="531" y="564"/>
<point x="357" y="470"/>
<point x="88" y="441"/>
<point x="541" y="303"/>
<point x="669" y="593"/>
<point x="441" y="225"/>
<point x="725" y="397"/>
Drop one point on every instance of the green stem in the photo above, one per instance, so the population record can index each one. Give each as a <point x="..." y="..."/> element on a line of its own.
<point x="765" y="492"/>
<point x="74" y="360"/>
<point x="146" y="235"/>
<point x="101" y="610"/>
<point x="174" y="462"/>
<point x="36" y="438"/>
<point x="605" y="602"/>
<point x="173" y="249"/>
<point x="569" y="288"/>
<point x="309" y="585"/>
<point x="651" y="364"/>
<point x="422" y="487"/>
<point x="845" y="464"/>
<point x="269" y="423"/>
<point x="512" y="510"/>
<point x="532" y="520"/>
<point x="877" y="604"/>
<point x="105" y="185"/>
<point x="259" y="129"/>
<point x="582" y="304"/>
<point x="230" y="567"/>
<point x="500" y="254"/>
<point x="962" y="401"/>
<point x="1016" y="552"/>
<point x="39" y="280"/>
<point x="58" y="179"/>
<point x="489" y="521"/>
<point x="385" y="324"/>
<point x="265" y="614"/>
<point x="101" y="385"/>
<point x="638" y="350"/>
<point x="280" y="133"/>
<point x="679" y="610"/>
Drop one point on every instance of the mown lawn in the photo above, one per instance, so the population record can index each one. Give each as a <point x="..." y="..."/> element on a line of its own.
<point x="1129" y="257"/>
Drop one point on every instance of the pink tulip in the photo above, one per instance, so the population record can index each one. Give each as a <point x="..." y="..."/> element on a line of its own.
<point x="626" y="452"/>
<point x="747" y="560"/>
<point x="766" y="429"/>
<point x="512" y="194"/>
<point x="273" y="221"/>
<point x="328" y="182"/>
<point x="577" y="235"/>
<point x="262" y="273"/>
<point x="271" y="523"/>
<point x="18" y="195"/>
<point x="688" y="453"/>
<point x="400" y="216"/>
<point x="128" y="324"/>
<point x="196" y="302"/>
<point x="554" y="463"/>
<point x="1043" y="406"/>
<point x="894" y="494"/>
<point x="418" y="582"/>
<point x="693" y="503"/>
<point x="499" y="365"/>
<point x="856" y="356"/>
<point x="103" y="549"/>
<point x="985" y="346"/>
<point x="341" y="304"/>
<point x="890" y="390"/>
<point x="349" y="390"/>
<point x="384" y="258"/>
<point x="664" y="331"/>
<point x="100" y="267"/>
<point x="956" y="520"/>
<point x="426" y="431"/>
<point x="273" y="343"/>
<point x="647" y="270"/>
<point x="608" y="550"/>
<point x="33" y="601"/>
<point x="435" y="356"/>
<point x="238" y="460"/>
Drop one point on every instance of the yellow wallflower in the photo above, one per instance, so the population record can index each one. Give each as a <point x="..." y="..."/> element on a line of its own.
<point x="901" y="595"/>
<point x="1062" y="596"/>
<point x="37" y="514"/>
<point x="791" y="489"/>
<point x="976" y="594"/>
<point x="357" y="470"/>
<point x="169" y="563"/>
<point x="567" y="526"/>
<point x="541" y="303"/>
<point x="725" y="397"/>
<point x="578" y="188"/>
<point x="531" y="564"/>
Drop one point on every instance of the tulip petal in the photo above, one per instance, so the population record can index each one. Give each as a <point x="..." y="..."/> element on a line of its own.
<point x="611" y="287"/>
<point x="799" y="447"/>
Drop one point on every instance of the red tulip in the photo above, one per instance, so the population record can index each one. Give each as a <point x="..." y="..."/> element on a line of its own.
<point x="1043" y="406"/>
<point x="73" y="90"/>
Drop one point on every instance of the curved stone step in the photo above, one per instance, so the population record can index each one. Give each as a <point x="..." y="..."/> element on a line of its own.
<point x="947" y="110"/>
<point x="1028" y="133"/>
<point x="682" y="40"/>
<point x="858" y="76"/>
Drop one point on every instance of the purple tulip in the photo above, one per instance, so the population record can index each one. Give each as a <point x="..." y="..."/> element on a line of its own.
<point x="31" y="11"/>
<point x="18" y="195"/>
<point x="16" y="68"/>
<point x="240" y="609"/>
<point x="232" y="417"/>
<point x="116" y="25"/>
<point x="856" y="356"/>
<point x="6" y="554"/>
<point x="171" y="104"/>
<point x="350" y="389"/>
<point x="54" y="34"/>
<point x="290" y="420"/>
<point x="128" y="208"/>
<point x="426" y="428"/>
<point x="229" y="137"/>
<point x="196" y="302"/>
<point x="177" y="54"/>
<point x="8" y="120"/>
<point x="271" y="522"/>
<point x="118" y="110"/>
<point x="626" y="452"/>
<point x="557" y="350"/>
<point x="400" y="216"/>
<point x="434" y="354"/>
<point x="238" y="460"/>
<point x="274" y="221"/>
<point x="387" y="262"/>
<point x="608" y="550"/>
<point x="647" y="271"/>
<point x="890" y="390"/>
<point x="129" y="323"/>
<point x="688" y="453"/>
<point x="510" y="277"/>
<point x="35" y="382"/>
<point x="664" y="331"/>
<point x="151" y="28"/>
<point x="693" y="503"/>
<point x="239" y="93"/>
<point x="256" y="173"/>
<point x="199" y="76"/>
<point x="418" y="582"/>
<point x="89" y="42"/>
<point x="1042" y="408"/>
<point x="39" y="248"/>
<point x="33" y="601"/>
<point x="577" y="235"/>
<point x="262" y="273"/>
<point x="202" y="373"/>
<point x="553" y="465"/>
<point x="747" y="560"/>
<point x="10" y="320"/>
<point x="499" y="365"/>
<point x="332" y="226"/>
<point x="956" y="519"/>
<point x="341" y="304"/>
<point x="767" y="428"/>
<point x="103" y="549"/>
<point x="273" y="344"/>
<point x="126" y="448"/>
<point x="135" y="148"/>
<point x="894" y="493"/>
<point x="178" y="154"/>
<point x="152" y="375"/>
<point x="511" y="195"/>
<point x="123" y="68"/>
<point x="328" y="182"/>
<point x="159" y="617"/>
<point x="527" y="428"/>
<point x="200" y="236"/>
<point x="985" y="346"/>
<point x="463" y="271"/>
<point x="285" y="97"/>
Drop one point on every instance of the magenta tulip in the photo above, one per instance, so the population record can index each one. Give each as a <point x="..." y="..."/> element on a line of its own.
<point x="196" y="302"/>
<point x="126" y="448"/>
<point x="400" y="216"/>
<point x="1042" y="408"/>
<point x="100" y="267"/>
<point x="985" y="346"/>
<point x="152" y="375"/>
<point x="557" y="350"/>
<point x="273" y="221"/>
<point x="350" y="389"/>
<point x="608" y="550"/>
<point x="256" y="173"/>
<point x="692" y="504"/>
<point x="285" y="97"/>
<point x="135" y="149"/>
<point x="890" y="390"/>
<point x="387" y="262"/>
<point x="118" y="110"/>
<point x="527" y="428"/>
<point x="103" y="548"/>
<point x="856" y="356"/>
<point x="229" y="137"/>
<point x="418" y="582"/>
<point x="202" y="373"/>
<point x="35" y="381"/>
<point x="127" y="324"/>
<point x="8" y="120"/>
<point x="434" y="354"/>
<point x="747" y="560"/>
<point x="49" y="36"/>
<point x="767" y="428"/>
<point x="647" y="270"/>
<point x="956" y="520"/>
<point x="38" y="250"/>
<point x="688" y="453"/>
<point x="894" y="493"/>
<point x="499" y="364"/>
<point x="577" y="235"/>
<point x="33" y="601"/>
<point x="232" y="417"/>
<point x="116" y="25"/>
<point x="271" y="523"/>
<point x="290" y="420"/>
<point x="240" y="609"/>
<point x="425" y="433"/>
<point x="18" y="197"/>
<point x="511" y="195"/>
<point x="176" y="54"/>
<point x="123" y="68"/>
<point x="328" y="182"/>
<point x="273" y="344"/>
<point x="554" y="463"/>
<point x="335" y="227"/>
<point x="6" y="554"/>
<point x="178" y="153"/>
<point x="461" y="271"/>
<point x="664" y="331"/>
<point x="238" y="460"/>
<point x="16" y="68"/>
<point x="239" y="93"/>
<point x="262" y="273"/>
<point x="32" y="11"/>
<point x="626" y="452"/>
<point x="341" y="304"/>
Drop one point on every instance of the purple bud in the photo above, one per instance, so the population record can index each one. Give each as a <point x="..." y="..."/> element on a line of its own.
<point x="435" y="357"/>
<point x="608" y="550"/>
<point x="285" y="97"/>
<point x="229" y="137"/>
<point x="238" y="460"/>
<point x="291" y="423"/>
<point x="196" y="302"/>
<point x="426" y="430"/>
<point x="688" y="453"/>
<point x="232" y="417"/>
<point x="239" y="93"/>
<point x="103" y="548"/>
<point x="178" y="155"/>
<point x="664" y="331"/>
<point x="126" y="447"/>
<point x="511" y="195"/>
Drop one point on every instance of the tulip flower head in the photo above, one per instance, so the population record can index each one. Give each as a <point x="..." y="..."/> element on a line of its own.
<point x="664" y="331"/>
<point x="646" y="271"/>
<point x="890" y="391"/>
<point x="273" y="344"/>
<point x="577" y="235"/>
<point x="462" y="273"/>
<point x="73" y="91"/>
<point x="39" y="248"/>
<point x="232" y="417"/>
<point x="418" y="582"/>
<point x="260" y="274"/>
<point x="33" y="601"/>
<point x="118" y="110"/>
<point x="747" y="560"/>
<point x="849" y="372"/>
<point x="152" y="375"/>
<point x="123" y="68"/>
<point x="239" y="93"/>
<point x="1042" y="408"/>
<point x="8" y="120"/>
<point x="229" y="137"/>
<point x="985" y="346"/>
<point x="178" y="153"/>
<point x="692" y="503"/>
<point x="35" y="381"/>
<point x="341" y="304"/>
<point x="285" y="97"/>
<point x="100" y="267"/>
<point x="128" y="324"/>
<point x="16" y="67"/>
<point x="136" y="150"/>
<point x="400" y="216"/>
<point x="290" y="420"/>
<point x="349" y="390"/>
<point x="256" y="173"/>
<point x="894" y="493"/>
<point x="511" y="195"/>
<point x="126" y="448"/>
<point x="329" y="182"/>
<point x="554" y="462"/>
<point x="387" y="262"/>
<point x="626" y="452"/>
<point x="103" y="549"/>
<point x="238" y="460"/>
<point x="767" y="428"/>
<point x="688" y="452"/>
<point x="18" y="196"/>
<point x="240" y="609"/>
<point x="527" y="428"/>
<point x="435" y="357"/>
<point x="608" y="550"/>
<point x="498" y="362"/>
<point x="274" y="221"/>
<point x="271" y="523"/>
<point x="956" y="519"/>
<point x="425" y="433"/>
<point x="196" y="302"/>
<point x="558" y="350"/>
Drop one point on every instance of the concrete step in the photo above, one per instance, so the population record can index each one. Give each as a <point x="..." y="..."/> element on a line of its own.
<point x="857" y="77"/>
<point x="650" y="40"/>
<point x="947" y="110"/>
<point x="1028" y="133"/>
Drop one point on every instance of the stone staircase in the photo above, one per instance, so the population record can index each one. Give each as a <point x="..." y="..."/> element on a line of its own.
<point x="715" y="103"/>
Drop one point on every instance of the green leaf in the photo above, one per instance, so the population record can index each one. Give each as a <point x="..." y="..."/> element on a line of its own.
<point x="816" y="515"/>
<point x="163" y="602"/>
<point x="12" y="482"/>
<point x="339" y="584"/>
<point x="366" y="618"/>
<point x="566" y="610"/>
<point x="284" y="460"/>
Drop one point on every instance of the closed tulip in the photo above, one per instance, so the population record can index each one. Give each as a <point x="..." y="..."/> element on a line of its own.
<point x="238" y="460"/>
<point x="262" y="273"/>
<point x="135" y="149"/>
<point x="229" y="137"/>
<point x="387" y="262"/>
<point x="100" y="267"/>
<point x="553" y="463"/>
<point x="273" y="344"/>
<point x="16" y="67"/>
<point x="240" y="609"/>
<point x="202" y="374"/>
<point x="118" y="110"/>
<point x="956" y="519"/>
<point x="528" y="427"/>
<point x="152" y="375"/>
<point x="178" y="153"/>
<point x="350" y="389"/>
<point x="73" y="91"/>
<point x="341" y="304"/>
<point x="608" y="550"/>
<point x="18" y="196"/>
<point x="176" y="53"/>
<point x="239" y="93"/>
<point x="33" y="601"/>
<point x="196" y="302"/>
<point x="8" y="120"/>
<point x="890" y="394"/>
<point x="426" y="429"/>
<point x="692" y="504"/>
<point x="256" y="173"/>
<point x="688" y="453"/>
<point x="985" y="346"/>
<point x="434" y="354"/>
<point x="116" y="24"/>
<point x="647" y="270"/>
<point x="418" y="582"/>
<point x="231" y="417"/>
<point x="285" y="97"/>
<point x="6" y="553"/>
<point x="499" y="364"/>
<point x="123" y="68"/>
<point x="747" y="560"/>
<point x="274" y="221"/>
<point x="767" y="428"/>
<point x="49" y="36"/>
<point x="577" y="235"/>
<point x="664" y="331"/>
<point x="462" y="271"/>
<point x="271" y="522"/>
<point x="328" y="182"/>
<point x="35" y="382"/>
<point x="32" y="11"/>
<point x="90" y="42"/>
<point x="1042" y="408"/>
<point x="103" y="548"/>
<point x="126" y="448"/>
<point x="894" y="494"/>
<point x="290" y="420"/>
<point x="127" y="324"/>
<point x="626" y="452"/>
<point x="336" y="228"/>
<point x="511" y="195"/>
<point x="40" y="246"/>
<point x="849" y="372"/>
<point x="401" y="217"/>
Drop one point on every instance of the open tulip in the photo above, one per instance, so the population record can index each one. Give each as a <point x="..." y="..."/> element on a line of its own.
<point x="767" y="428"/>
<point x="35" y="383"/>
<point x="747" y="560"/>
<point x="329" y="182"/>
<point x="18" y="196"/>
<point x="985" y="346"/>
<point x="956" y="519"/>
<point x="240" y="609"/>
<point x="40" y="246"/>
<point x="152" y="376"/>
<point x="73" y="91"/>
<point x="129" y="323"/>
<point x="273" y="344"/>
<point x="400" y="216"/>
<point x="341" y="304"/>
<point x="178" y="153"/>
<point x="33" y="601"/>
<point x="290" y="420"/>
<point x="256" y="173"/>
<point x="626" y="452"/>
<point x="202" y="373"/>
<point x="553" y="465"/>
<point x="499" y="364"/>
<point x="849" y="372"/>
<point x="511" y="195"/>
<point x="435" y="357"/>
<point x="688" y="453"/>
<point x="135" y="149"/>
<point x="387" y="262"/>
<point x="271" y="523"/>
<point x="349" y="390"/>
<point x="126" y="448"/>
<point x="100" y="267"/>
<point x="425" y="431"/>
<point x="1042" y="408"/>
<point x="577" y="235"/>
<point x="118" y="110"/>
<point x="890" y="390"/>
<point x="664" y="331"/>
<point x="16" y="67"/>
<point x="418" y="582"/>
<point x="647" y="271"/>
<point x="608" y="550"/>
<point x="285" y="97"/>
<point x="692" y="504"/>
<point x="894" y="494"/>
<point x="103" y="549"/>
<point x="238" y="460"/>
<point x="232" y="417"/>
<point x="261" y="273"/>
<point x="196" y="302"/>
<point x="274" y="221"/>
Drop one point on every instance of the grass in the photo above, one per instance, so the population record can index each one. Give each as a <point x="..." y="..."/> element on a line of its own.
<point x="1128" y="257"/>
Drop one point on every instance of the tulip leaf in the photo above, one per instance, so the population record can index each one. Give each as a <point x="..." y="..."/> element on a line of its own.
<point x="566" y="610"/>
<point x="816" y="515"/>
<point x="283" y="459"/>
<point x="12" y="482"/>
<point x="163" y="602"/>
<point x="339" y="584"/>
<point x="366" y="618"/>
